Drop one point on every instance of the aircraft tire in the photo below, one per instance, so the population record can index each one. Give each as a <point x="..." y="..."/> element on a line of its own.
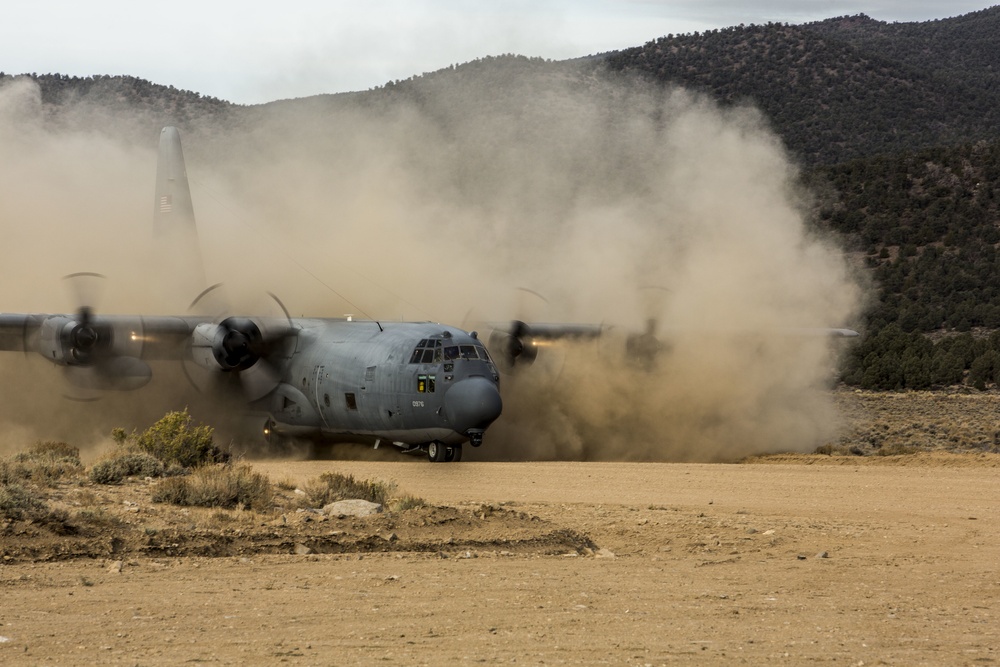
<point x="454" y="454"/>
<point x="437" y="452"/>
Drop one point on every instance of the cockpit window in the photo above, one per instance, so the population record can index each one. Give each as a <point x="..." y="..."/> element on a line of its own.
<point x="434" y="351"/>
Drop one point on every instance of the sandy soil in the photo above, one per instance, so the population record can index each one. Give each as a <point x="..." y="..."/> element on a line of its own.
<point x="865" y="562"/>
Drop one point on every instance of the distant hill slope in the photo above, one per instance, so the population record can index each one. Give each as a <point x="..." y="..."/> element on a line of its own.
<point x="963" y="48"/>
<point x="126" y="107"/>
<point x="845" y="88"/>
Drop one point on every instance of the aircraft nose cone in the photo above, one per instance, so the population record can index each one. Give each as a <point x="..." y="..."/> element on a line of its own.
<point x="473" y="403"/>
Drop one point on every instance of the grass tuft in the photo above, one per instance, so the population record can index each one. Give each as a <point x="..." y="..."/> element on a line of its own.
<point x="333" y="486"/>
<point x="43" y="463"/>
<point x="217" y="486"/>
<point x="403" y="503"/>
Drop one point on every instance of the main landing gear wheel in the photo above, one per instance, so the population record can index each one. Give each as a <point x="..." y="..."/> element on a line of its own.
<point x="437" y="452"/>
<point x="454" y="454"/>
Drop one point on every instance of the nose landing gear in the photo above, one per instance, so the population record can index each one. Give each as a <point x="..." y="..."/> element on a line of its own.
<point x="440" y="453"/>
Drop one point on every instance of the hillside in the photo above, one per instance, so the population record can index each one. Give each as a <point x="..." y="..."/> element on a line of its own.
<point x="845" y="88"/>
<point x="962" y="48"/>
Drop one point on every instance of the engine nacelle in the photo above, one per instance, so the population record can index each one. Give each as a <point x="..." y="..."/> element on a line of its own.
<point x="511" y="350"/>
<point x="235" y="344"/>
<point x="69" y="341"/>
<point x="98" y="354"/>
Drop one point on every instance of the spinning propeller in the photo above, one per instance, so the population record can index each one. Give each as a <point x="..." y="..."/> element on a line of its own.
<point x="247" y="348"/>
<point x="96" y="355"/>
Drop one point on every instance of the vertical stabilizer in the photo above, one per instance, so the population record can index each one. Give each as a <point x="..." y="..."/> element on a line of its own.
<point x="175" y="235"/>
<point x="173" y="207"/>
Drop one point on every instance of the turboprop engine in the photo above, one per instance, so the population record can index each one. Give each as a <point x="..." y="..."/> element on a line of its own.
<point x="96" y="353"/>
<point x="242" y="346"/>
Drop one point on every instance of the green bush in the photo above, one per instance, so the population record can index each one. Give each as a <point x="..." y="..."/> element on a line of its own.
<point x="173" y="440"/>
<point x="217" y="486"/>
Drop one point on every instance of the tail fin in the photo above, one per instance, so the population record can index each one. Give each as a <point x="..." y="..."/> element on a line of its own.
<point x="175" y="235"/>
<point x="173" y="207"/>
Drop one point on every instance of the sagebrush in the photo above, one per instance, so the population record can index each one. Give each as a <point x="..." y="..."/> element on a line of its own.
<point x="175" y="440"/>
<point x="217" y="486"/>
<point x="43" y="463"/>
<point x="118" y="465"/>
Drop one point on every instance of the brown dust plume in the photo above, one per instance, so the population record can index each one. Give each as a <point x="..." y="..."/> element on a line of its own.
<point x="438" y="198"/>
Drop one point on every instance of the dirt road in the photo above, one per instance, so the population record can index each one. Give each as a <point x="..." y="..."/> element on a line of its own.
<point x="687" y="564"/>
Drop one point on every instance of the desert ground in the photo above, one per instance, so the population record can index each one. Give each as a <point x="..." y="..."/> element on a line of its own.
<point x="841" y="559"/>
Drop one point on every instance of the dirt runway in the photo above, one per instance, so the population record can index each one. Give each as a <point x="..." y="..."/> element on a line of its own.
<point x="868" y="562"/>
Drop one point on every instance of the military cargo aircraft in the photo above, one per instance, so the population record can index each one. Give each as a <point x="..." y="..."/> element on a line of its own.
<point x="422" y="387"/>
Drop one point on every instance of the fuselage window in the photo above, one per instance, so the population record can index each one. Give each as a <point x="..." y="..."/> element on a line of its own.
<point x="352" y="403"/>
<point x="426" y="384"/>
<point x="326" y="400"/>
<point x="451" y="352"/>
<point x="469" y="352"/>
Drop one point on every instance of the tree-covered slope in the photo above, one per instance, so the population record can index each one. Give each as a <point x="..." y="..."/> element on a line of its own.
<point x="834" y="98"/>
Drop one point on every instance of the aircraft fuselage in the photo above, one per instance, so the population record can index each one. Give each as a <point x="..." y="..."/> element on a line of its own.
<point x="405" y="383"/>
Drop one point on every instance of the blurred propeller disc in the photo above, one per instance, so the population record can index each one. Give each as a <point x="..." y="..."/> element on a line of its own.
<point x="87" y="288"/>
<point x="242" y="339"/>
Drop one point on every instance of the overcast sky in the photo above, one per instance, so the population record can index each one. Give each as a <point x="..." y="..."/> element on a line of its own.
<point x="257" y="51"/>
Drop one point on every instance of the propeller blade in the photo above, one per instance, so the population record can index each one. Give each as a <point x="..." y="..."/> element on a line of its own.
<point x="86" y="287"/>
<point x="259" y="380"/>
<point x="114" y="374"/>
<point x="245" y="348"/>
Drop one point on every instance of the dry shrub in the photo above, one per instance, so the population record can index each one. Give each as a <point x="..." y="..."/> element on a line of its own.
<point x="287" y="484"/>
<point x="115" y="467"/>
<point x="403" y="503"/>
<point x="17" y="502"/>
<point x="43" y="463"/>
<point x="52" y="450"/>
<point x="97" y="516"/>
<point x="895" y="449"/>
<point x="217" y="486"/>
<point x="333" y="486"/>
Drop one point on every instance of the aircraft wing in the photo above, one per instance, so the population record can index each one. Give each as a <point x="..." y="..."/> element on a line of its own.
<point x="516" y="343"/>
<point x="68" y="338"/>
<point x="111" y="351"/>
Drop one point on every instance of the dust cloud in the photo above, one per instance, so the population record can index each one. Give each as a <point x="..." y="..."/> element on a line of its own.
<point x="436" y="199"/>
